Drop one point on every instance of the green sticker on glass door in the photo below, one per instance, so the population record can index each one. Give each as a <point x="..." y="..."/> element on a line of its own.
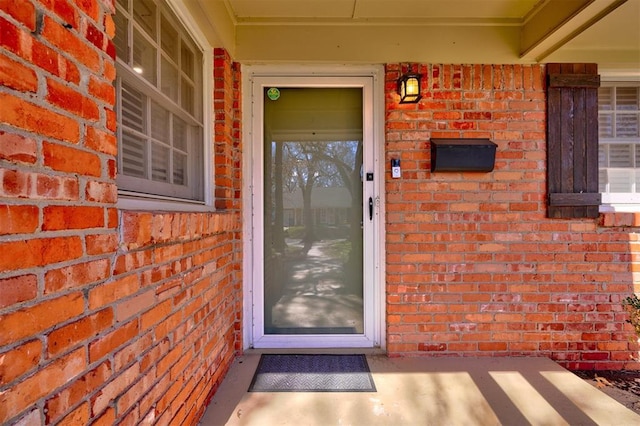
<point x="273" y="93"/>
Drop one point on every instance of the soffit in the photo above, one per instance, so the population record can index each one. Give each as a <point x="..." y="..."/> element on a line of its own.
<point x="613" y="42"/>
<point x="446" y="31"/>
<point x="388" y="10"/>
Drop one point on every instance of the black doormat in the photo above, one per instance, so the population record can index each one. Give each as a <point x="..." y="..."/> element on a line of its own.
<point x="312" y="373"/>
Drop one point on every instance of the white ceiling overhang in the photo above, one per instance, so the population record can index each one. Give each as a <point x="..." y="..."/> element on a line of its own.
<point x="439" y="31"/>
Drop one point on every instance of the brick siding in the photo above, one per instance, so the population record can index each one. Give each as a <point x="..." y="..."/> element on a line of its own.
<point x="106" y="316"/>
<point x="110" y="316"/>
<point x="474" y="267"/>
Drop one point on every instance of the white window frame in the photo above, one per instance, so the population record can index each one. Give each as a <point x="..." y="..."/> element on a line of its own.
<point x="620" y="202"/>
<point x="130" y="200"/>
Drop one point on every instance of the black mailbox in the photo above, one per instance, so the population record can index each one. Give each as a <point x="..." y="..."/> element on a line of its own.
<point x="462" y="155"/>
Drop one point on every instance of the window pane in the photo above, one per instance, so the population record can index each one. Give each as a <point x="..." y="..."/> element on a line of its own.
<point x="179" y="168"/>
<point x="121" y="39"/>
<point x="133" y="155"/>
<point x="627" y="126"/>
<point x="187" y="101"/>
<point x="602" y="180"/>
<point x="605" y="98"/>
<point x="187" y="61"/>
<point x="144" y="58"/>
<point x="169" y="76"/>
<point x="160" y="163"/>
<point x="159" y="123"/>
<point x="169" y="39"/>
<point x="621" y="180"/>
<point x="144" y="13"/>
<point x="196" y="159"/>
<point x="132" y="108"/>
<point x="602" y="156"/>
<point x="620" y="155"/>
<point x="619" y="124"/>
<point x="161" y="151"/>
<point x="627" y="98"/>
<point x="605" y="125"/>
<point x="179" y="134"/>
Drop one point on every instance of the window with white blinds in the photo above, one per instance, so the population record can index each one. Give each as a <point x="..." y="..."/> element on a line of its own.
<point x="619" y="142"/>
<point x="159" y="103"/>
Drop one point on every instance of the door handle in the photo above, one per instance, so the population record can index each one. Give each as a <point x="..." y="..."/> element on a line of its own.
<point x="370" y="208"/>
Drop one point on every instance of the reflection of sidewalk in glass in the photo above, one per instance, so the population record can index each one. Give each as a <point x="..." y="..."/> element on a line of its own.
<point x="317" y="294"/>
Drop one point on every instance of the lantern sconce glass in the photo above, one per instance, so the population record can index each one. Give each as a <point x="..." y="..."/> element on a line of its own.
<point x="409" y="88"/>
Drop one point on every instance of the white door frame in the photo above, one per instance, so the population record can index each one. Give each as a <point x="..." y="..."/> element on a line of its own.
<point x="252" y="169"/>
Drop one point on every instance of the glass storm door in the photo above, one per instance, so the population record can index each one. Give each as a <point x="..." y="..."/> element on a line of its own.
<point x="317" y="210"/>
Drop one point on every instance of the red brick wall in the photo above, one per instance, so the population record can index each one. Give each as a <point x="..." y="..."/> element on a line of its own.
<point x="105" y="315"/>
<point x="474" y="268"/>
<point x="124" y="316"/>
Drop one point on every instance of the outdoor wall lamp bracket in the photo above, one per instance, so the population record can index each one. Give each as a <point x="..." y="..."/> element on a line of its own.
<point x="409" y="88"/>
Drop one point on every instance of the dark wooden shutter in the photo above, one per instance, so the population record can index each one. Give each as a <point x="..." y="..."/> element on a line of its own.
<point x="572" y="140"/>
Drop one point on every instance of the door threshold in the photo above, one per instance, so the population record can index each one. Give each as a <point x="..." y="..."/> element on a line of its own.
<point x="315" y="351"/>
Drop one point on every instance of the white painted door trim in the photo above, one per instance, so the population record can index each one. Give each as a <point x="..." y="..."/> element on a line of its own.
<point x="310" y="76"/>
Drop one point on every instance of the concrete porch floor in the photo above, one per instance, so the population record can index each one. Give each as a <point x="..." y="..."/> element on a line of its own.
<point x="426" y="391"/>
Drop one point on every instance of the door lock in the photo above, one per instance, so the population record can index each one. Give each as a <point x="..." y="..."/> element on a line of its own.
<point x="370" y="208"/>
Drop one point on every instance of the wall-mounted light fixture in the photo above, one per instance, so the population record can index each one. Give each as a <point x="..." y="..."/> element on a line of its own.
<point x="409" y="88"/>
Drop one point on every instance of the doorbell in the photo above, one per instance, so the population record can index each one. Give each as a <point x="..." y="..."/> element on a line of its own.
<point x="396" y="173"/>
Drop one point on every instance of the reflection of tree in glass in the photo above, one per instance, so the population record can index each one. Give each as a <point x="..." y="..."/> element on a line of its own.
<point x="305" y="169"/>
<point x="327" y="164"/>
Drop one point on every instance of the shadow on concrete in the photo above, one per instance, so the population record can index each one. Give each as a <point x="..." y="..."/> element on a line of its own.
<point x="426" y="391"/>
